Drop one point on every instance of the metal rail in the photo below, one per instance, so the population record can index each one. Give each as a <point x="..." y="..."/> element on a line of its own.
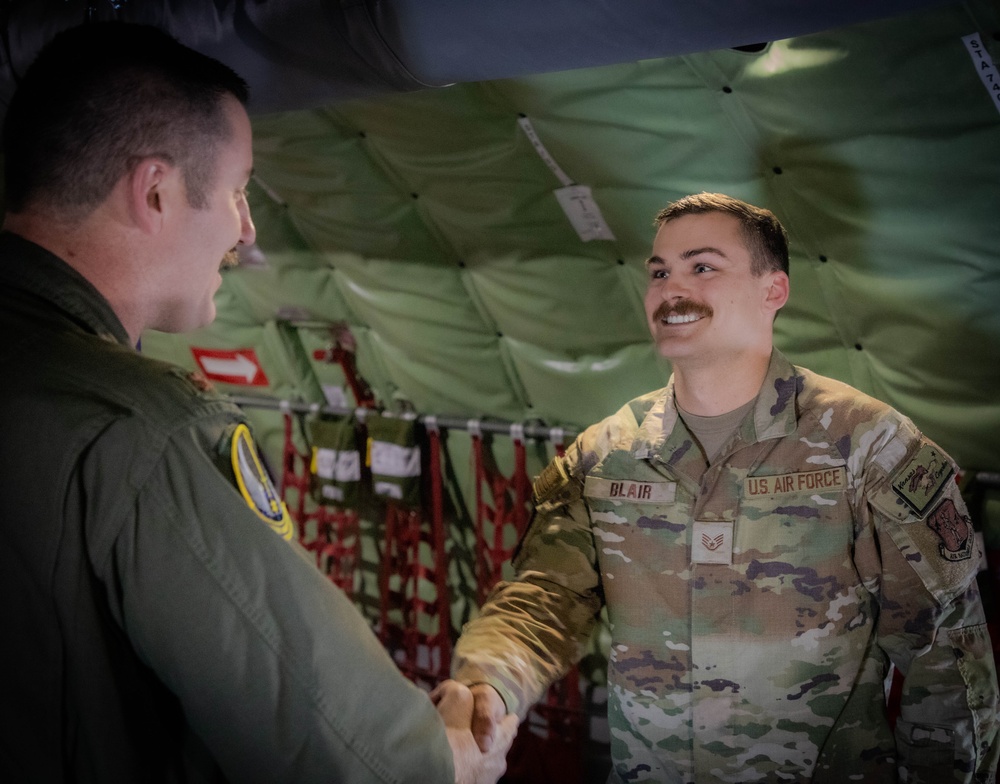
<point x="515" y="430"/>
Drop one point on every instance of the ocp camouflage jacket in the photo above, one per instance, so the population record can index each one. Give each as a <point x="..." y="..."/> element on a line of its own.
<point x="755" y="603"/>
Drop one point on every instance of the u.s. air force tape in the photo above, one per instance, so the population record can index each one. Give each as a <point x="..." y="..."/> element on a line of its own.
<point x="256" y="486"/>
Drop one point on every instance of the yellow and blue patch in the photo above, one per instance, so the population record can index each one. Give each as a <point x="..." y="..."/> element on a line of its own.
<point x="255" y="484"/>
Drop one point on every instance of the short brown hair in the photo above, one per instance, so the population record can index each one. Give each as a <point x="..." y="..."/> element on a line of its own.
<point x="765" y="237"/>
<point x="101" y="96"/>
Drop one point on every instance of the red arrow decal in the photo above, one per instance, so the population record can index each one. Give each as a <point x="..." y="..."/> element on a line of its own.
<point x="238" y="366"/>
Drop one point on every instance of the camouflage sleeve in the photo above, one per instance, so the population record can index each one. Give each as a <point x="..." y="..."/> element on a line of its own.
<point x="533" y="629"/>
<point x="931" y="622"/>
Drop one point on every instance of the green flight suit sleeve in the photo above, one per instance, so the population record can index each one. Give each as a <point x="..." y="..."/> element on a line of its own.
<point x="533" y="629"/>
<point x="275" y="670"/>
<point x="931" y="624"/>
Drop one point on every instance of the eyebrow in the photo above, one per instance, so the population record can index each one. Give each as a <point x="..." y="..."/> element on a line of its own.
<point x="689" y="254"/>
<point x="708" y="250"/>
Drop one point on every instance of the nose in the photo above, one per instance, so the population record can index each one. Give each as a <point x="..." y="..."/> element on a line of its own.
<point x="248" y="232"/>
<point x="673" y="288"/>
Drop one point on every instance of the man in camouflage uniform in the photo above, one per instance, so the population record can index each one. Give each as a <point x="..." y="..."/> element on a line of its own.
<point x="766" y="542"/>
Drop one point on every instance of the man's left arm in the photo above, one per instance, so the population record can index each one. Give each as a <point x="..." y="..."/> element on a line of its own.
<point x="931" y="622"/>
<point x="947" y="728"/>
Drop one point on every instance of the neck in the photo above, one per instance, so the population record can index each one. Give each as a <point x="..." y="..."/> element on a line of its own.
<point x="712" y="389"/>
<point x="102" y="260"/>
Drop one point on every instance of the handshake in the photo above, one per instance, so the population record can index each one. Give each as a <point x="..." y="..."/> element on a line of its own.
<point x="479" y="730"/>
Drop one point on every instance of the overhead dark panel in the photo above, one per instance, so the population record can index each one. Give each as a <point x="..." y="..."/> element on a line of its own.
<point x="302" y="53"/>
<point x="462" y="41"/>
<point x="294" y="53"/>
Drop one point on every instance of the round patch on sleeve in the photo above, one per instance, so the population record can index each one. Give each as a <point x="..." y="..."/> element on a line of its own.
<point x="256" y="486"/>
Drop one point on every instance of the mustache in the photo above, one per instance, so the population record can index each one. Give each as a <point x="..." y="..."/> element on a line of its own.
<point x="229" y="260"/>
<point x="683" y="307"/>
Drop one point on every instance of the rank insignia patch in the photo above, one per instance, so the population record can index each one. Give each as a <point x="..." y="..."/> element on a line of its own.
<point x="919" y="481"/>
<point x="712" y="542"/>
<point x="199" y="382"/>
<point x="953" y="529"/>
<point x="256" y="486"/>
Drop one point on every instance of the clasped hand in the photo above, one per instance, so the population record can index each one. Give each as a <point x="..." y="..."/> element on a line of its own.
<point x="479" y="730"/>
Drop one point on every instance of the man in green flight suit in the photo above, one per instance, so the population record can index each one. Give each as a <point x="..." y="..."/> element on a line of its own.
<point x="766" y="541"/>
<point x="156" y="625"/>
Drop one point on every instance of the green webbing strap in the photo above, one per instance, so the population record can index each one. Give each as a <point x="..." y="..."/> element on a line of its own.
<point x="336" y="462"/>
<point x="394" y="458"/>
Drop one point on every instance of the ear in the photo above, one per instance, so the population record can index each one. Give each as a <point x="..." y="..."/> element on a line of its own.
<point x="776" y="292"/>
<point x="151" y="189"/>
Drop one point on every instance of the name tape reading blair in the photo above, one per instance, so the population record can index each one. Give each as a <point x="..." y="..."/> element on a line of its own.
<point x="633" y="492"/>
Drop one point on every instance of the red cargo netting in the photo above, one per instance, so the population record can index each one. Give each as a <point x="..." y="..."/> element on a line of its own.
<point x="499" y="526"/>
<point x="333" y="535"/>
<point x="415" y="605"/>
<point x="549" y="746"/>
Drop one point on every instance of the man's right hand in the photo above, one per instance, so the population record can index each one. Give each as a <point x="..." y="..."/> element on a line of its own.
<point x="473" y="764"/>
<point x="488" y="712"/>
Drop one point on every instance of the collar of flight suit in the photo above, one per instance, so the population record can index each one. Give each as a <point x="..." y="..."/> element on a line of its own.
<point x="773" y="414"/>
<point x="30" y="267"/>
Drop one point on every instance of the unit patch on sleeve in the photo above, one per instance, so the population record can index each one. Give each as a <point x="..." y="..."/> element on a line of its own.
<point x="256" y="486"/>
<point x="954" y="530"/>
<point x="919" y="481"/>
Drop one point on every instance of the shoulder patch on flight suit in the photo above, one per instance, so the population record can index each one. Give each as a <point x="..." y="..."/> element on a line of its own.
<point x="919" y="481"/>
<point x="199" y="381"/>
<point x="194" y="379"/>
<point x="256" y="486"/>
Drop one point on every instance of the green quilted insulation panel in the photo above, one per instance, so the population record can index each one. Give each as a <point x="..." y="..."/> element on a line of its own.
<point x="427" y="223"/>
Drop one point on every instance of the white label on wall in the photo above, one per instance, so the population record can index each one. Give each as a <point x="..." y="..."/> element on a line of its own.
<point x="984" y="65"/>
<point x="529" y="131"/>
<point x="583" y="212"/>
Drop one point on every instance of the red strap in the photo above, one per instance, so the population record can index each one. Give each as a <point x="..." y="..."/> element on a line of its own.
<point x="417" y="630"/>
<point x="500" y="526"/>
<point x="293" y="477"/>
<point x="560" y="718"/>
<point x="336" y="542"/>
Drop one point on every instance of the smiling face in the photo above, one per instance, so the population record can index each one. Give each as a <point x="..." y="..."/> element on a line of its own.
<point x="703" y="303"/>
<point x="205" y="237"/>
